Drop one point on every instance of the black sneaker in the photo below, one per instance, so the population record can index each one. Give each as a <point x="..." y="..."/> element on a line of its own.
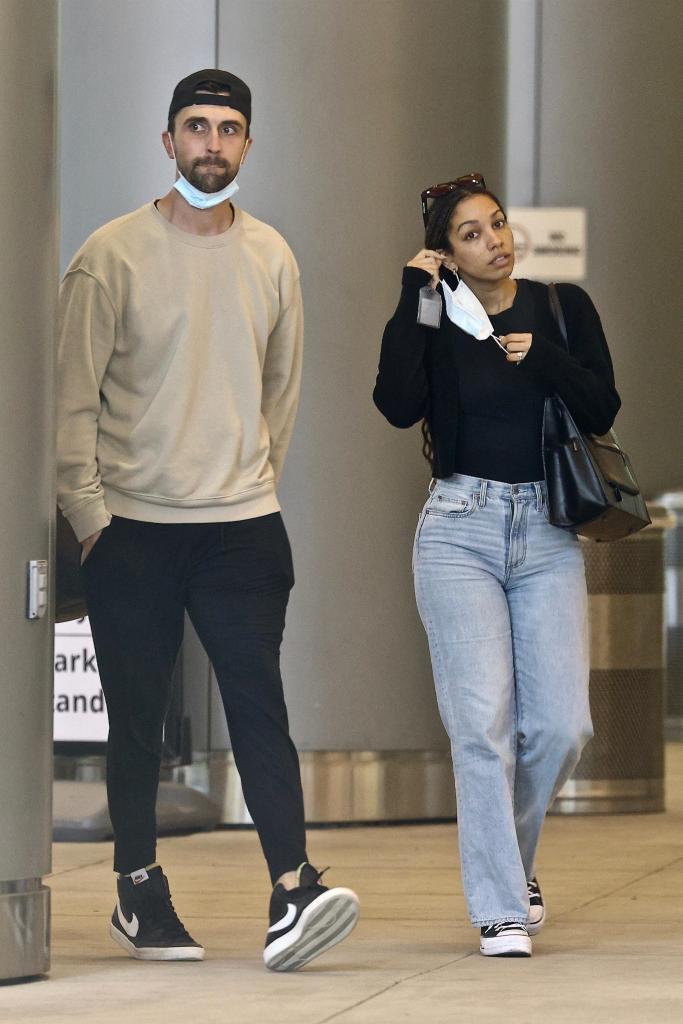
<point x="507" y="938"/>
<point x="144" y="922"/>
<point x="306" y="921"/>
<point x="536" y="908"/>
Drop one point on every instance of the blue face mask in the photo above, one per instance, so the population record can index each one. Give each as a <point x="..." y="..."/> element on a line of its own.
<point x="203" y="200"/>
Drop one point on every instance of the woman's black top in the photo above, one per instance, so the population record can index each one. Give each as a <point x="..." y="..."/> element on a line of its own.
<point x="500" y="410"/>
<point x="484" y="413"/>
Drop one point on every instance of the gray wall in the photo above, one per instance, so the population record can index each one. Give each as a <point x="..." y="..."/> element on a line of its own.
<point x="27" y="281"/>
<point x="27" y="284"/>
<point x="357" y="107"/>
<point x="354" y="112"/>
<point x="612" y="76"/>
<point x="119" y="62"/>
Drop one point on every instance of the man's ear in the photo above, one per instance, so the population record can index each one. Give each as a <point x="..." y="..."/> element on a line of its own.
<point x="247" y="146"/>
<point x="167" y="141"/>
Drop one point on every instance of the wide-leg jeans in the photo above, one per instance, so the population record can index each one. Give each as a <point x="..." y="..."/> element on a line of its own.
<point x="502" y="596"/>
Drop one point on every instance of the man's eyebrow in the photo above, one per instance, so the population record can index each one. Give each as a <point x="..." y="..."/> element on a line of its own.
<point x="199" y="119"/>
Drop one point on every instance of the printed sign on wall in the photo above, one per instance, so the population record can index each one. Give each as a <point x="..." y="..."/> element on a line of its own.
<point x="550" y="242"/>
<point x="80" y="714"/>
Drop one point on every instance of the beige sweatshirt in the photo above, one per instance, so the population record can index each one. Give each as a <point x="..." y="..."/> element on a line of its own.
<point x="179" y="361"/>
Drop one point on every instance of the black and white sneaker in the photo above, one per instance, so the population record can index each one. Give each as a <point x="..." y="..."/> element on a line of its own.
<point x="144" y="922"/>
<point x="306" y="921"/>
<point x="507" y="938"/>
<point x="536" y="908"/>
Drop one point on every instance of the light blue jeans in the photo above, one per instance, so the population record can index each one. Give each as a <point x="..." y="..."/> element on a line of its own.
<point x="502" y="596"/>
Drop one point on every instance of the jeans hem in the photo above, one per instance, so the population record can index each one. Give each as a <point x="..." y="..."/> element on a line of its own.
<point x="485" y="922"/>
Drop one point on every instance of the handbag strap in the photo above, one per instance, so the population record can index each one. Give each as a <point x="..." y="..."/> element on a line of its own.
<point x="558" y="312"/>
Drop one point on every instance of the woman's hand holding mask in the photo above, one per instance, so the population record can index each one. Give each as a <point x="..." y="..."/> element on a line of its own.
<point x="430" y="260"/>
<point x="517" y="346"/>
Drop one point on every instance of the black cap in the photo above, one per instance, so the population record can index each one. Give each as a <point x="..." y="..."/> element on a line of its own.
<point x="187" y="93"/>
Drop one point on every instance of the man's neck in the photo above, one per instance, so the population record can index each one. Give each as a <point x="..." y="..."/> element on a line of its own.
<point x="178" y="212"/>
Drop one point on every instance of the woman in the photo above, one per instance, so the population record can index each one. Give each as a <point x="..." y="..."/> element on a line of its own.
<point x="501" y="592"/>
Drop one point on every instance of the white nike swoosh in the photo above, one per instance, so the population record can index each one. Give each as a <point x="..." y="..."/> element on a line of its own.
<point x="130" y="927"/>
<point x="285" y="921"/>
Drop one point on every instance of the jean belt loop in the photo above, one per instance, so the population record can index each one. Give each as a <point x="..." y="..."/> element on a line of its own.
<point x="482" y="493"/>
<point x="542" y="496"/>
<point x="539" y="496"/>
<point x="432" y="484"/>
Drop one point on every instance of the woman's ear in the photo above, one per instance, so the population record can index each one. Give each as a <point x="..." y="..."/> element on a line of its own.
<point x="449" y="261"/>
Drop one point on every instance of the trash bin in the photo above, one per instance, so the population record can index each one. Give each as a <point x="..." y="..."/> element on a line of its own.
<point x="673" y="586"/>
<point x="622" y="767"/>
<point x="79" y="801"/>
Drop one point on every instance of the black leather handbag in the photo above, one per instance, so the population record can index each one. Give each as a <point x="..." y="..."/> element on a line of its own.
<point x="592" y="489"/>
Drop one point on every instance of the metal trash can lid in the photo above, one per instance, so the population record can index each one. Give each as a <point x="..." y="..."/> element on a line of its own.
<point x="672" y="500"/>
<point x="663" y="518"/>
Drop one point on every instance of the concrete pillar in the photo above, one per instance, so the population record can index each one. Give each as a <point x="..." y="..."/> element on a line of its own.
<point x="28" y="32"/>
<point x="610" y="82"/>
<point x="119" y="62"/>
<point x="356" y="108"/>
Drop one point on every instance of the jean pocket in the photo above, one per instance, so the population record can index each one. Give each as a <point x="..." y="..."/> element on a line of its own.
<point x="85" y="559"/>
<point x="97" y="546"/>
<point x="451" y="506"/>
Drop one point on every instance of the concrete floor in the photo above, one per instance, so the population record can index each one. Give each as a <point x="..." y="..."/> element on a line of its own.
<point x="612" y="950"/>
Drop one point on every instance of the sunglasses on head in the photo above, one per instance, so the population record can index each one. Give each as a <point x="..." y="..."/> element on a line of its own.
<point x="473" y="182"/>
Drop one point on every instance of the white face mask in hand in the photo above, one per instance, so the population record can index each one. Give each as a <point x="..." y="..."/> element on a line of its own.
<point x="465" y="310"/>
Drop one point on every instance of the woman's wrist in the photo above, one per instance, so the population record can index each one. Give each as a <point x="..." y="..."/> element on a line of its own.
<point x="415" y="277"/>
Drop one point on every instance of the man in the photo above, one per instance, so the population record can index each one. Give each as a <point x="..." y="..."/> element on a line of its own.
<point x="179" y="360"/>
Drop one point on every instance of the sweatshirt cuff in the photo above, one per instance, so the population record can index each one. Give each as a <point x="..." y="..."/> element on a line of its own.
<point x="88" y="519"/>
<point x="415" y="277"/>
<point x="545" y="358"/>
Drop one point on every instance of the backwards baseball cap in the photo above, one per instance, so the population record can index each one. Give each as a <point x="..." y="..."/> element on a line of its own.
<point x="188" y="92"/>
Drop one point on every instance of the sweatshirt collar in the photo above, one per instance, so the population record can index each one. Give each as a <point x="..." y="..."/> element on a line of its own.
<point x="225" y="240"/>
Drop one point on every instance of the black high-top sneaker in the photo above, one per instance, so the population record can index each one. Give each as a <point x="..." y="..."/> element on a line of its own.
<point x="536" y="908"/>
<point x="144" y="922"/>
<point x="506" y="938"/>
<point x="306" y="921"/>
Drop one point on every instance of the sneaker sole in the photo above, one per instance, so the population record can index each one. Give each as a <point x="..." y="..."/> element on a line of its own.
<point x="323" y="924"/>
<point x="154" y="952"/>
<point x="534" y="927"/>
<point x="506" y="947"/>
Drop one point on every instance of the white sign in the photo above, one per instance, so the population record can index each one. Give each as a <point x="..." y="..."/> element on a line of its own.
<point x="80" y="714"/>
<point x="550" y="242"/>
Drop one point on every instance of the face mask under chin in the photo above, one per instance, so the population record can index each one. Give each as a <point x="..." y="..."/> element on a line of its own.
<point x="203" y="200"/>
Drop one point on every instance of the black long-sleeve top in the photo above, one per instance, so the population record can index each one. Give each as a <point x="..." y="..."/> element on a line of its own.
<point x="419" y="376"/>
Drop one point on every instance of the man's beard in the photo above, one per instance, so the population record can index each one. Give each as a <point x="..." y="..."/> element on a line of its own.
<point x="209" y="175"/>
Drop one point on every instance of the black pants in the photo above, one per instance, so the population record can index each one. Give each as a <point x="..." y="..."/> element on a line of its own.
<point x="234" y="580"/>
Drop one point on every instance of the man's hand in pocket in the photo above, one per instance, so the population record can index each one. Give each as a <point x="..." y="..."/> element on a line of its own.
<point x="88" y="544"/>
